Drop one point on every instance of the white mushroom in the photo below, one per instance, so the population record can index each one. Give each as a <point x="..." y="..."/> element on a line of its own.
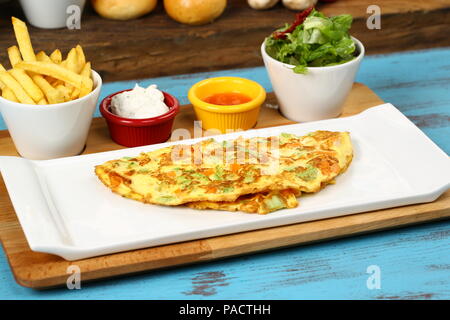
<point x="262" y="4"/>
<point x="299" y="4"/>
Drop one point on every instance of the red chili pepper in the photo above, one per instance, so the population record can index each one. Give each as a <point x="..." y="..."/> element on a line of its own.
<point x="299" y="19"/>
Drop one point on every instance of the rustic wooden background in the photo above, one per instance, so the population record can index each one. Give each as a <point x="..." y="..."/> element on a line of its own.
<point x="155" y="45"/>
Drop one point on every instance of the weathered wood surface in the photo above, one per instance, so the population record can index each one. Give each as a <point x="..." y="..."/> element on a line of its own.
<point x="155" y="45"/>
<point x="39" y="270"/>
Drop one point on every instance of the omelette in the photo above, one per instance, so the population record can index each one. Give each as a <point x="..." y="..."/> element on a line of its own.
<point x="261" y="203"/>
<point x="257" y="175"/>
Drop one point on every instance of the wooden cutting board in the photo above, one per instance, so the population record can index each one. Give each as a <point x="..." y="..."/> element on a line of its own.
<point x="40" y="270"/>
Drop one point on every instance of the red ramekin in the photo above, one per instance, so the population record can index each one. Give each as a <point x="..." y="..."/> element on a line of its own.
<point x="140" y="132"/>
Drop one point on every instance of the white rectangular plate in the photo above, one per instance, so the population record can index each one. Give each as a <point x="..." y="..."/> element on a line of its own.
<point x="65" y="210"/>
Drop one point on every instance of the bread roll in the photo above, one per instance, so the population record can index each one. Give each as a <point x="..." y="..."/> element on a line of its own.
<point x="299" y="4"/>
<point x="262" y="4"/>
<point x="123" y="9"/>
<point x="194" y="11"/>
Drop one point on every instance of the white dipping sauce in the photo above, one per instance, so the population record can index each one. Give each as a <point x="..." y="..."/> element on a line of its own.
<point x="139" y="103"/>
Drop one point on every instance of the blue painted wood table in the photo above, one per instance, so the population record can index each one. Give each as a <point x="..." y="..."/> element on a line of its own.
<point x="414" y="262"/>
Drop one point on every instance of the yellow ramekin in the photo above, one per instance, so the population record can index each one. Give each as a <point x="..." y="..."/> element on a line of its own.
<point x="227" y="118"/>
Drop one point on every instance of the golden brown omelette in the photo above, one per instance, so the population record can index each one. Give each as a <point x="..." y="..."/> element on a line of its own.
<point x="261" y="203"/>
<point x="252" y="175"/>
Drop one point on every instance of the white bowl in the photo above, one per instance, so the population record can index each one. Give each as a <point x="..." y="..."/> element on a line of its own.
<point x="51" y="131"/>
<point x="50" y="14"/>
<point x="317" y="95"/>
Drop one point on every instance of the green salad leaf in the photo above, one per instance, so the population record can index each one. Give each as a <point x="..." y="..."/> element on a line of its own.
<point x="318" y="42"/>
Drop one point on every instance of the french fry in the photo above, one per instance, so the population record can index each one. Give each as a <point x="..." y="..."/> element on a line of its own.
<point x="86" y="71"/>
<point x="2" y="85"/>
<point x="23" y="39"/>
<point x="40" y="78"/>
<point x="42" y="56"/>
<point x="42" y="101"/>
<point x="64" y="91"/>
<point x="72" y="60"/>
<point x="52" y="70"/>
<point x="16" y="88"/>
<point x="52" y="94"/>
<point x="57" y="82"/>
<point x="14" y="55"/>
<point x="54" y="82"/>
<point x="27" y="83"/>
<point x="75" y="94"/>
<point x="56" y="56"/>
<point x="8" y="94"/>
<point x="86" y="86"/>
<point x="81" y="57"/>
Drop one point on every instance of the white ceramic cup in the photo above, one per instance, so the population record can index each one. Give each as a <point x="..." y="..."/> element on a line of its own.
<point x="50" y="14"/>
<point x="317" y="95"/>
<point x="51" y="131"/>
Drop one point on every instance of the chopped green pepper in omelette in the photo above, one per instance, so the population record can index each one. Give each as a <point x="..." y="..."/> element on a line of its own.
<point x="256" y="175"/>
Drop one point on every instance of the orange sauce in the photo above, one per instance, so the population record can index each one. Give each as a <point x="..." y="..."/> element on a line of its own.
<point x="227" y="98"/>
